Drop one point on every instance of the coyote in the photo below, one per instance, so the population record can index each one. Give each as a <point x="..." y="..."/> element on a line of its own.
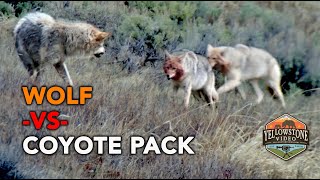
<point x="242" y="63"/>
<point x="193" y="73"/>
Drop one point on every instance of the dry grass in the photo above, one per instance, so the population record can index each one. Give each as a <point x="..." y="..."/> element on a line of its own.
<point x="228" y="142"/>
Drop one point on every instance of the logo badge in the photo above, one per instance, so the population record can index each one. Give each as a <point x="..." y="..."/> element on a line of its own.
<point x="286" y="137"/>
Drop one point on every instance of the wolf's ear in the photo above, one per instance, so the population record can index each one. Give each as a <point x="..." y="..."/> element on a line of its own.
<point x="102" y="35"/>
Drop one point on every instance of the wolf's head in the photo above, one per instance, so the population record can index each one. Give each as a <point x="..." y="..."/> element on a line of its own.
<point x="216" y="59"/>
<point x="173" y="66"/>
<point x="97" y="40"/>
<point x="82" y="38"/>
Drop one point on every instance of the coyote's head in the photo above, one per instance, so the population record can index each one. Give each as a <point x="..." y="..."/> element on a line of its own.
<point x="173" y="66"/>
<point x="216" y="59"/>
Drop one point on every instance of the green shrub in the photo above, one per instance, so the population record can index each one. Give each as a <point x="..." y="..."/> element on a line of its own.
<point x="6" y="9"/>
<point x="177" y="11"/>
<point x="145" y="33"/>
<point x="249" y="10"/>
<point x="23" y="7"/>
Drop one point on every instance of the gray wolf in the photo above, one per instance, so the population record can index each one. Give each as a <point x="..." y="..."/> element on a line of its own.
<point x="41" y="40"/>
<point x="243" y="63"/>
<point x="193" y="73"/>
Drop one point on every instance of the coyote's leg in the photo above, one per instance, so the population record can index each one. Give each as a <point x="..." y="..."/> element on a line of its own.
<point x="208" y="97"/>
<point x="215" y="95"/>
<point x="197" y="95"/>
<point x="274" y="81"/>
<point x="233" y="80"/>
<point x="210" y="92"/>
<point x="277" y="92"/>
<point x="241" y="92"/>
<point x="257" y="89"/>
<point x="187" y="91"/>
<point x="229" y="85"/>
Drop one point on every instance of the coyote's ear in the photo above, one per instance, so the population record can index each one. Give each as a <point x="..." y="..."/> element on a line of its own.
<point x="167" y="55"/>
<point x="221" y="53"/>
<point x="221" y="59"/>
<point x="192" y="55"/>
<point x="209" y="48"/>
<point x="182" y="57"/>
<point x="243" y="48"/>
<point x="102" y="35"/>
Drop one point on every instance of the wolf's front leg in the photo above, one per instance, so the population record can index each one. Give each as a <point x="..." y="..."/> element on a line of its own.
<point x="62" y="69"/>
<point x="187" y="90"/>
<point x="36" y="76"/>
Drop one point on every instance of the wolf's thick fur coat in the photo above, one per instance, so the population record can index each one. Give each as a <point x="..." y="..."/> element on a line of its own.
<point x="40" y="39"/>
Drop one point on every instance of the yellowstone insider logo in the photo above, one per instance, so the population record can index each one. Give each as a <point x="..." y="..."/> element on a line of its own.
<point x="286" y="137"/>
